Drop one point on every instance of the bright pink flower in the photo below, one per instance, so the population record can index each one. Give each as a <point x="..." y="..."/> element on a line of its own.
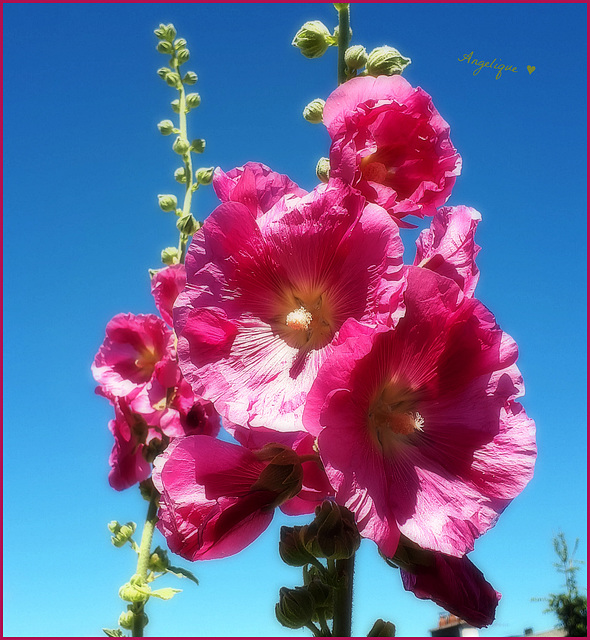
<point x="136" y="349"/>
<point x="389" y="141"/>
<point x="166" y="285"/>
<point x="217" y="497"/>
<point x="448" y="246"/>
<point x="266" y="297"/>
<point x="255" y="186"/>
<point x="455" y="584"/>
<point x="419" y="431"/>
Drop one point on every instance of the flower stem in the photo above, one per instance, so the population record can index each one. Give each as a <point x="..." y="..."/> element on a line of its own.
<point x="143" y="562"/>
<point x="343" y="40"/>
<point x="343" y="598"/>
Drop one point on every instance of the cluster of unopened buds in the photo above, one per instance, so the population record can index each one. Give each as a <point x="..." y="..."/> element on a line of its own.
<point x="378" y="394"/>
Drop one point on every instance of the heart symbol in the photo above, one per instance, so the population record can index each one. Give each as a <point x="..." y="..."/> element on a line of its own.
<point x="530" y="69"/>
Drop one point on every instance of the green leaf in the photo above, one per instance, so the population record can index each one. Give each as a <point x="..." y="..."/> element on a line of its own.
<point x="114" y="633"/>
<point x="165" y="594"/>
<point x="179" y="572"/>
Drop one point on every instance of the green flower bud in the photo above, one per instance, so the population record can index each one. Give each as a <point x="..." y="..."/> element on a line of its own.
<point x="158" y="560"/>
<point x="180" y="175"/>
<point x="322" y="595"/>
<point x="314" y="110"/>
<point x="113" y="526"/>
<point x="190" y="77"/>
<point x="175" y="104"/>
<point x="183" y="56"/>
<point x="322" y="170"/>
<point x="386" y="61"/>
<point x="204" y="175"/>
<point x="126" y="619"/>
<point x="198" y="145"/>
<point x="382" y="629"/>
<point x="170" y="255"/>
<point x="166" y="127"/>
<point x="193" y="100"/>
<point x="166" y="32"/>
<point x="313" y="39"/>
<point x="181" y="146"/>
<point x="164" y="47"/>
<point x="134" y="591"/>
<point x="333" y="533"/>
<point x="291" y="548"/>
<point x="187" y="224"/>
<point x="295" y="607"/>
<point x="163" y="72"/>
<point x="173" y="80"/>
<point x="121" y="533"/>
<point x="167" y="202"/>
<point x="355" y="57"/>
<point x="180" y="43"/>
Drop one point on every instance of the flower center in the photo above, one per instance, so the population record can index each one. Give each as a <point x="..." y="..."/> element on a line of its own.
<point x="299" y="320"/>
<point x="309" y="324"/>
<point x="146" y="361"/>
<point x="393" y="417"/>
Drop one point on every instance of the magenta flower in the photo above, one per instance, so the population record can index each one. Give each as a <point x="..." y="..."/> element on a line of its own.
<point x="448" y="246"/>
<point x="217" y="497"/>
<point x="455" y="584"/>
<point x="136" y="349"/>
<point x="255" y="186"/>
<point x="166" y="285"/>
<point x="418" y="427"/>
<point x="389" y="141"/>
<point x="266" y="297"/>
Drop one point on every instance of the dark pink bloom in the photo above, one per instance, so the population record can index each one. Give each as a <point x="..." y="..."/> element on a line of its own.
<point x="390" y="142"/>
<point x="455" y="584"/>
<point x="255" y="186"/>
<point x="166" y="285"/>
<point x="136" y="349"/>
<point x="417" y="425"/>
<point x="448" y="246"/>
<point x="217" y="497"/>
<point x="266" y="297"/>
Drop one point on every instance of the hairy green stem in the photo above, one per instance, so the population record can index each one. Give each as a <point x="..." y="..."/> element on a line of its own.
<point x="343" y="40"/>
<point x="343" y="598"/>
<point x="143" y="562"/>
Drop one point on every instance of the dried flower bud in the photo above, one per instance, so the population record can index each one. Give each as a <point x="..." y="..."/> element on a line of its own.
<point x="333" y="533"/>
<point x="355" y="57"/>
<point x="386" y="61"/>
<point x="190" y="77"/>
<point x="180" y="175"/>
<point x="204" y="175"/>
<point x="166" y="32"/>
<point x="313" y="39"/>
<point x="187" y="224"/>
<point x="165" y="47"/>
<point x="314" y="110"/>
<point x="322" y="170"/>
<point x="193" y="100"/>
<point x="295" y="607"/>
<point x="167" y="202"/>
<point x="198" y="145"/>
<point x="181" y="146"/>
<point x="166" y="127"/>
<point x="170" y="255"/>
<point x="382" y="629"/>
<point x="291" y="548"/>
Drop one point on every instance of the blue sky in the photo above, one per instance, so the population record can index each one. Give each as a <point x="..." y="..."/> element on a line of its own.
<point x="84" y="163"/>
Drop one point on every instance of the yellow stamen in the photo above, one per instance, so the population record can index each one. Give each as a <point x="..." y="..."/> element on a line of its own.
<point x="300" y="319"/>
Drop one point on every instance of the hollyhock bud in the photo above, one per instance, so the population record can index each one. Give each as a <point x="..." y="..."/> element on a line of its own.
<point x="165" y="47"/>
<point x="313" y="111"/>
<point x="175" y="104"/>
<point x="355" y="57"/>
<point x="386" y="61"/>
<point x="180" y="43"/>
<point x="166" y="127"/>
<point x="198" y="145"/>
<point x="333" y="533"/>
<point x="295" y="607"/>
<point x="193" y="100"/>
<point x="204" y="175"/>
<point x="313" y="39"/>
<point x="158" y="561"/>
<point x="183" y="56"/>
<point x="291" y="548"/>
<point x="180" y="175"/>
<point x="187" y="224"/>
<point x="121" y="533"/>
<point x="322" y="595"/>
<point x="181" y="146"/>
<point x="135" y="591"/>
<point x="167" y="202"/>
<point x="322" y="170"/>
<point x="170" y="255"/>
<point x="190" y="77"/>
<point x="173" y="80"/>
<point x="382" y="629"/>
<point x="166" y="32"/>
<point x="127" y="618"/>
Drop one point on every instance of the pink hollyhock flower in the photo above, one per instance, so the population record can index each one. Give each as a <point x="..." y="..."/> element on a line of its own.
<point x="166" y="285"/>
<point x="455" y="584"/>
<point x="217" y="497"/>
<point x="448" y="246"/>
<point x="266" y="297"/>
<point x="390" y="142"/>
<point x="136" y="349"/>
<point x="255" y="186"/>
<point x="418" y="427"/>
